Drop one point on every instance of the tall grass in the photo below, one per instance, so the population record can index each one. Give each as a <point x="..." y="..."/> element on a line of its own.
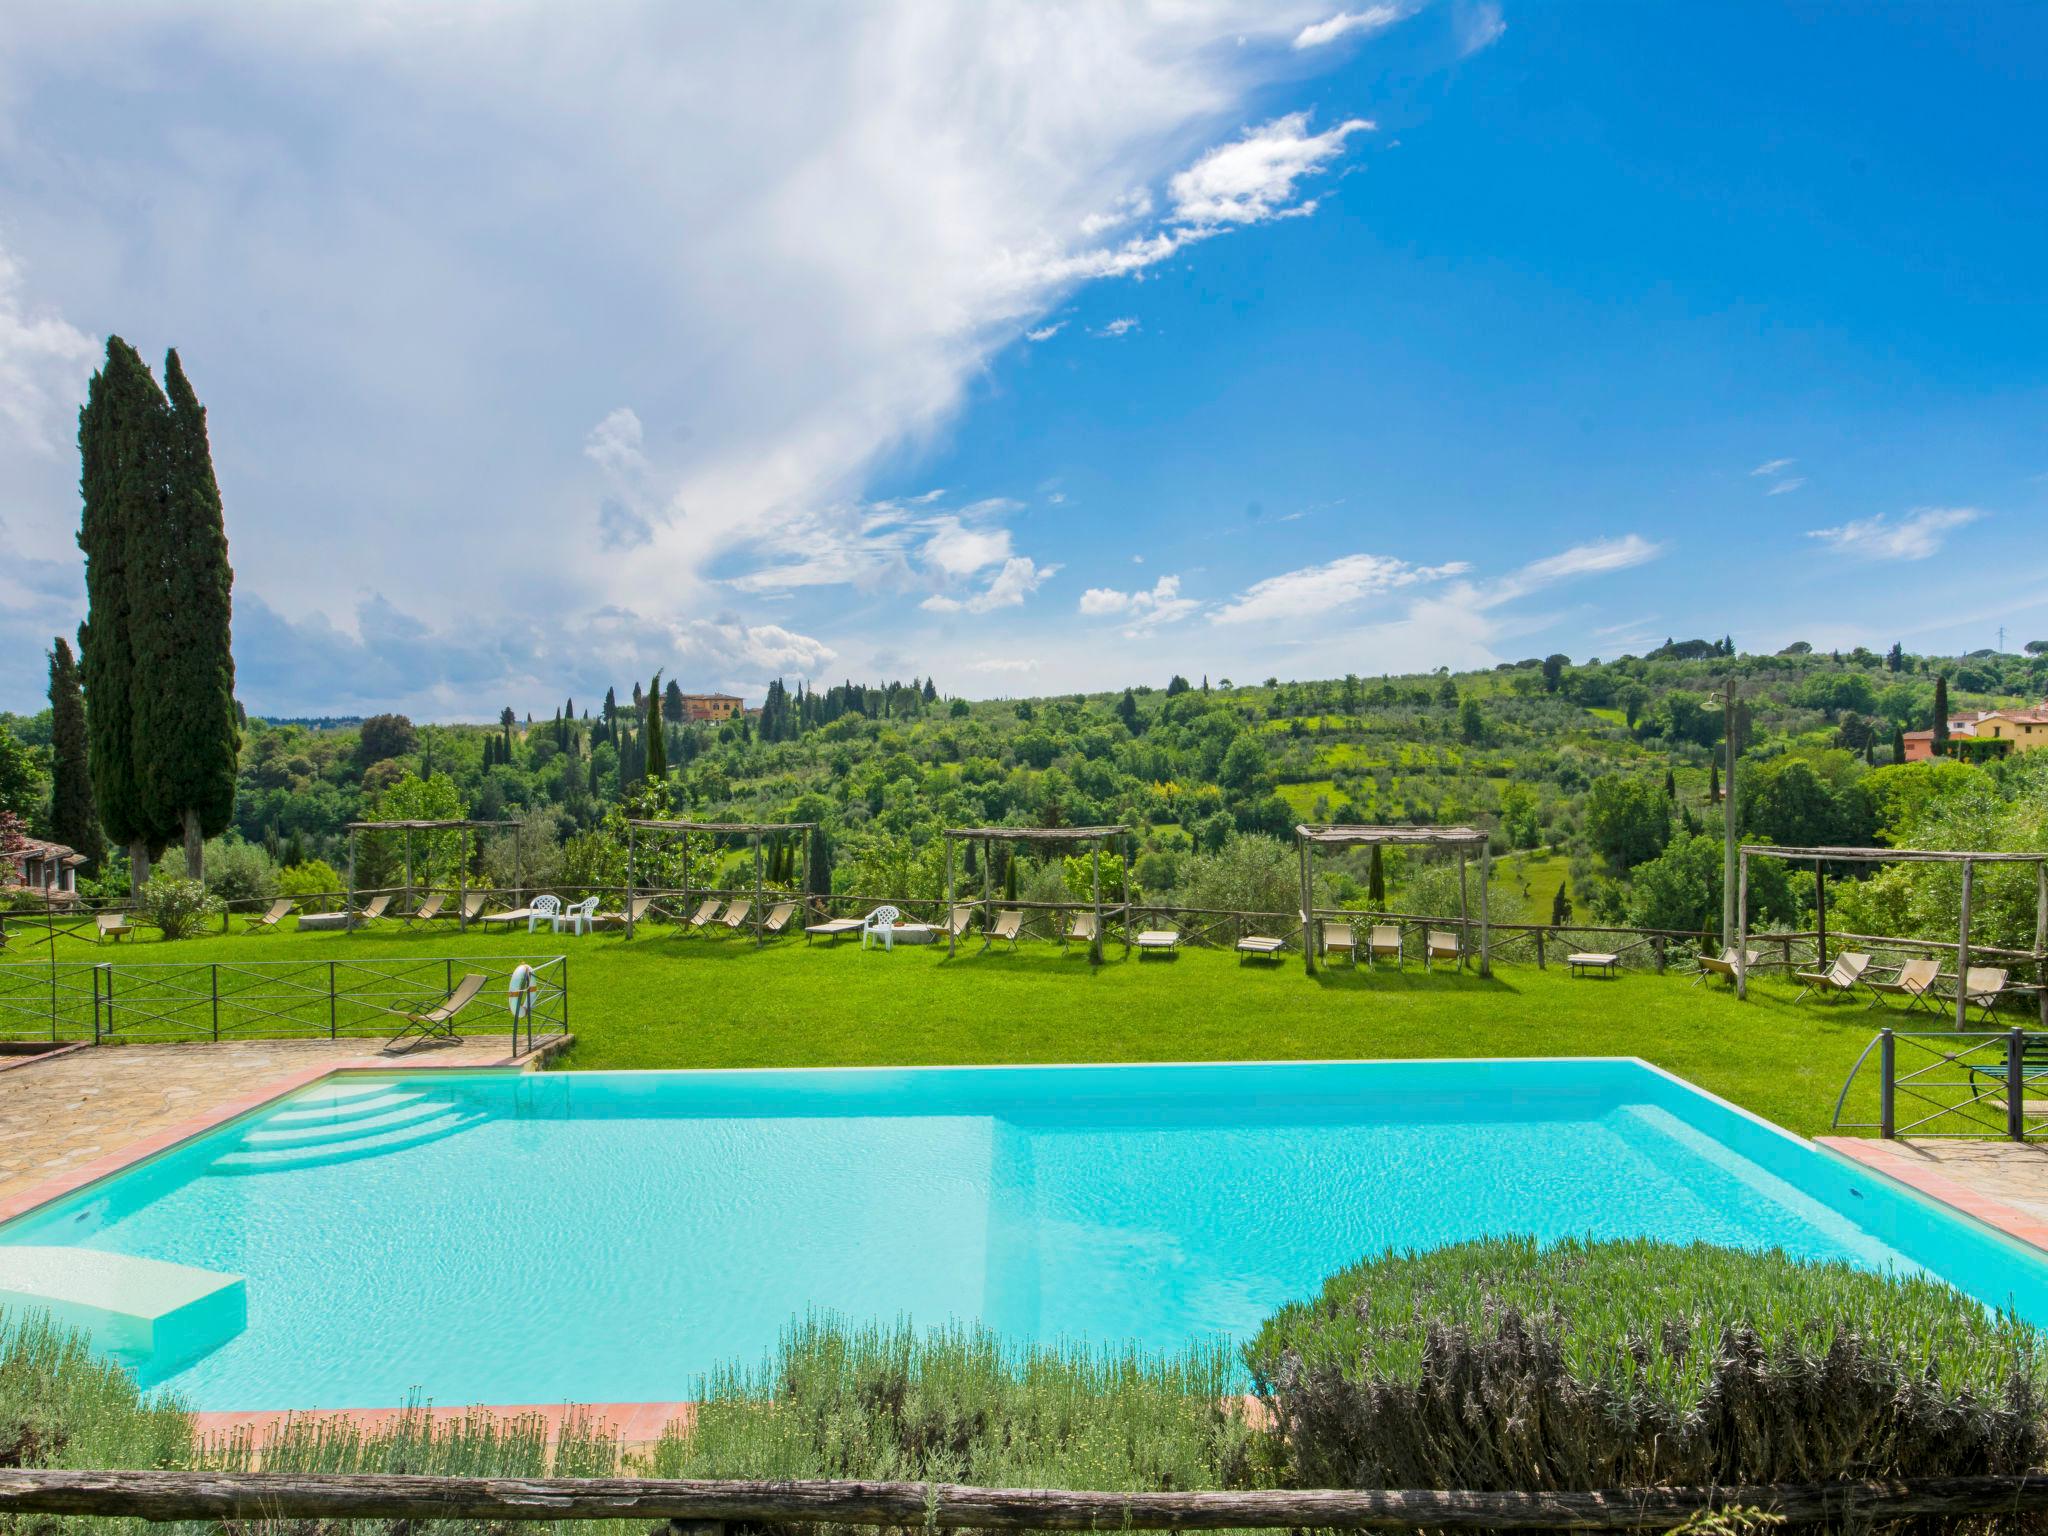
<point x="958" y="1405"/>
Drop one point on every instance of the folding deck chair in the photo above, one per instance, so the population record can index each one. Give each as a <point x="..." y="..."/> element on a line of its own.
<point x="271" y="919"/>
<point x="1008" y="924"/>
<point x="1843" y="976"/>
<point x="437" y="1024"/>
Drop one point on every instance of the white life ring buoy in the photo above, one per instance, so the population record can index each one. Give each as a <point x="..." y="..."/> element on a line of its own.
<point x="521" y="990"/>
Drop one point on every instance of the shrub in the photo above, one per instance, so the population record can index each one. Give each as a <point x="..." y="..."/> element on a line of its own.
<point x="1502" y="1365"/>
<point x="312" y="884"/>
<point x="956" y="1405"/>
<point x="176" y="905"/>
<point x="239" y="872"/>
<point x="61" y="1406"/>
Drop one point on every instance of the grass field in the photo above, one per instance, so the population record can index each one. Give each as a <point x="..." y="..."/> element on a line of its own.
<point x="666" y="1001"/>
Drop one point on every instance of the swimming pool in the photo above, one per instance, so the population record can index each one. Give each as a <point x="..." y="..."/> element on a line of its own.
<point x="608" y="1237"/>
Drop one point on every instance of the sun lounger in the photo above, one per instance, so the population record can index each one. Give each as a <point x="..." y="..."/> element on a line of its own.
<point x="525" y="915"/>
<point x="736" y="915"/>
<point x="705" y="915"/>
<point x="1081" y="930"/>
<point x="472" y="908"/>
<point x="1164" y="941"/>
<point x="370" y="910"/>
<point x="636" y="910"/>
<point x="957" y="921"/>
<point x="271" y="917"/>
<point x="778" y="917"/>
<point x="1008" y="924"/>
<point x="1982" y="989"/>
<point x="1386" y="943"/>
<point x="1339" y="936"/>
<point x="1914" y="982"/>
<point x="1259" y="944"/>
<point x="1843" y="976"/>
<point x="112" y="925"/>
<point x="437" y="1024"/>
<point x="1442" y="946"/>
<point x="1723" y="967"/>
<point x="426" y="911"/>
<point x="833" y="928"/>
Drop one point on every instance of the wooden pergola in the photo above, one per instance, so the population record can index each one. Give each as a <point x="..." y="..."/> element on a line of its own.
<point x="1819" y="858"/>
<point x="1309" y="838"/>
<point x="462" y="825"/>
<point x="1095" y="837"/>
<point x="753" y="830"/>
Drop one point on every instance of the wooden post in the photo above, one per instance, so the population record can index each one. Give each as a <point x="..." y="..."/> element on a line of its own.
<point x="988" y="889"/>
<point x="2041" y="939"/>
<point x="1730" y="839"/>
<point x="1095" y="882"/>
<point x="408" y="866"/>
<point x="1820" y="911"/>
<point x="1123" y="854"/>
<point x="760" y="895"/>
<point x="630" y="830"/>
<point x="1308" y="915"/>
<point x="349" y="922"/>
<point x="1963" y="952"/>
<point x="686" y="874"/>
<point x="462" y="883"/>
<point x="951" y="936"/>
<point x="1485" y="910"/>
<point x="1741" y="925"/>
<point x="1464" y="911"/>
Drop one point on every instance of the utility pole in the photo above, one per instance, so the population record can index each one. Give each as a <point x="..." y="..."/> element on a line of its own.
<point x="1730" y="837"/>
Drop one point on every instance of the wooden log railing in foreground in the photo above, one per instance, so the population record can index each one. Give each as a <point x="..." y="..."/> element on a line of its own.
<point x="705" y="1506"/>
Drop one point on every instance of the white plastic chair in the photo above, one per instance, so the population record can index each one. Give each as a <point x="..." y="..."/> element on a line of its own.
<point x="549" y="907"/>
<point x="882" y="921"/>
<point x="577" y="915"/>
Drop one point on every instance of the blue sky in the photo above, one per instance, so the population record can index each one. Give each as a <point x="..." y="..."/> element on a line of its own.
<point x="1040" y="347"/>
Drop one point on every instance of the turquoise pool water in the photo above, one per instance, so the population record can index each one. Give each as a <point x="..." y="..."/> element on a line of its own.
<point x="610" y="1236"/>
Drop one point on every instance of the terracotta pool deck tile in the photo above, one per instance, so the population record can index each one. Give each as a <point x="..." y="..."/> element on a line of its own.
<point x="637" y="1425"/>
<point x="2003" y="1184"/>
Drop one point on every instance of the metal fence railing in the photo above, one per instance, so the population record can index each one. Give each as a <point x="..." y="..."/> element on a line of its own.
<point x="1949" y="1084"/>
<point x="145" y="1000"/>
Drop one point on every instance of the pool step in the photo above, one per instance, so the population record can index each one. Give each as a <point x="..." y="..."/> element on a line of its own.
<point x="329" y="1111"/>
<point x="415" y="1121"/>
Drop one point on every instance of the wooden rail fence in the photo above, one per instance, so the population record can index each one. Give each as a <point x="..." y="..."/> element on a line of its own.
<point x="706" y="1507"/>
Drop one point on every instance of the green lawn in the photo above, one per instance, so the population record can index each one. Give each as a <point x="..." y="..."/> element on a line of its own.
<point x="664" y="1001"/>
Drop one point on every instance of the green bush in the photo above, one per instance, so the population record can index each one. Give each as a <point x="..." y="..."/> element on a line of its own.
<point x="313" y="884"/>
<point x="955" y="1405"/>
<point x="239" y="872"/>
<point x="176" y="905"/>
<point x="1502" y="1365"/>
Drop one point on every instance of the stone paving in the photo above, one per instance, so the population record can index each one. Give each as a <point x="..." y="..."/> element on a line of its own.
<point x="62" y="1115"/>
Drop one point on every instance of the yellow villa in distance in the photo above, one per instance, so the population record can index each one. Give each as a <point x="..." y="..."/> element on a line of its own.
<point x="2025" y="729"/>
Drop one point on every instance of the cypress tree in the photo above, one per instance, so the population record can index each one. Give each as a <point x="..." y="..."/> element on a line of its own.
<point x="1560" y="907"/>
<point x="1713" y="783"/>
<point x="1940" y="713"/>
<point x="72" y="819"/>
<point x="657" y="738"/>
<point x="185" y="727"/>
<point x="120" y="443"/>
<point x="1898" y="745"/>
<point x="1375" y="879"/>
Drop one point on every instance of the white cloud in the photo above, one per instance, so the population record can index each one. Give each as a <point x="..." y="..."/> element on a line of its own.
<point x="45" y="361"/>
<point x="1017" y="580"/>
<point x="614" y="444"/>
<point x="1374" y="18"/>
<point x="1320" y="589"/>
<point x="1046" y="332"/>
<point x="954" y="549"/>
<point x="1123" y="325"/>
<point x="1002" y="664"/>
<point x="1915" y="536"/>
<point x="1253" y="178"/>
<point x="1784" y="486"/>
<point x="1479" y="25"/>
<point x="1773" y="466"/>
<point x="1144" y="611"/>
<point x="875" y="204"/>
